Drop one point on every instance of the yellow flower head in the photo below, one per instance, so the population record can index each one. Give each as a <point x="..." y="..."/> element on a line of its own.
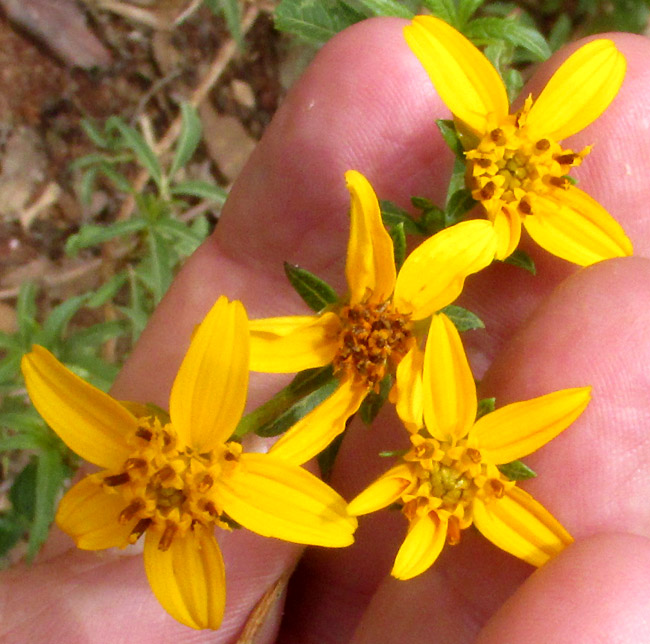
<point x="516" y="166"/>
<point x="374" y="332"/>
<point x="450" y="478"/>
<point x="175" y="477"/>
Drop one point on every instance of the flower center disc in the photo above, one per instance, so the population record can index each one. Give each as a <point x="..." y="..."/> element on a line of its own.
<point x="509" y="169"/>
<point x="167" y="488"/>
<point x="372" y="341"/>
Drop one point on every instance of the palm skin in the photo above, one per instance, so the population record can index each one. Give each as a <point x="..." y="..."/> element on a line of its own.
<point x="366" y="103"/>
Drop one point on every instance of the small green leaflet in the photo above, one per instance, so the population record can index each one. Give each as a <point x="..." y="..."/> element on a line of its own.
<point x="517" y="471"/>
<point x="523" y="260"/>
<point x="316" y="293"/>
<point x="463" y="319"/>
<point x="485" y="406"/>
<point x="398" y="236"/>
<point x="373" y="402"/>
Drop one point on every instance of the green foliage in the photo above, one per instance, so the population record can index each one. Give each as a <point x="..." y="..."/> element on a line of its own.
<point x="375" y="400"/>
<point x="517" y="471"/>
<point x="463" y="319"/>
<point x="315" y="292"/>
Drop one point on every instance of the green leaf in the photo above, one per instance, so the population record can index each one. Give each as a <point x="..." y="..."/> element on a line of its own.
<point x="132" y="139"/>
<point x="92" y="235"/>
<point x="23" y="491"/>
<point x="10" y="367"/>
<point x="327" y="457"/>
<point x="120" y="181"/>
<point x="201" y="190"/>
<point x="11" y="530"/>
<point x="387" y="8"/>
<point x="106" y="292"/>
<point x="443" y="9"/>
<point x="463" y="319"/>
<point x="450" y="136"/>
<point x="315" y="21"/>
<point x="186" y="239"/>
<point x="26" y="310"/>
<point x="517" y="471"/>
<point x="157" y="270"/>
<point x="95" y="134"/>
<point x="230" y="9"/>
<point x="466" y="9"/>
<point x="456" y="183"/>
<point x="459" y="204"/>
<point x="392" y="215"/>
<point x="491" y="29"/>
<point x="523" y="260"/>
<point x="9" y="342"/>
<point x="190" y="135"/>
<point x="316" y="293"/>
<point x="20" y="442"/>
<point x="307" y="390"/>
<point x="374" y="401"/>
<point x="560" y="32"/>
<point x="94" y="336"/>
<point x="51" y="472"/>
<point x="58" y="319"/>
<point x="514" y="83"/>
<point x="485" y="406"/>
<point x="398" y="236"/>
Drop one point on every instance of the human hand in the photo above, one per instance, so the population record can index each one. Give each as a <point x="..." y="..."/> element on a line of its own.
<point x="367" y="104"/>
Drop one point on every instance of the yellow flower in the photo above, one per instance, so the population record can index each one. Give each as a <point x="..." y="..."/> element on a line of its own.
<point x="175" y="477"/>
<point x="515" y="166"/>
<point x="449" y="478"/>
<point x="374" y="333"/>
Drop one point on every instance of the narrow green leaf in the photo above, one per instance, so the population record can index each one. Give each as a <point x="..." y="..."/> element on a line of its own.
<point x="387" y="8"/>
<point x="398" y="236"/>
<point x="491" y="29"/>
<point x="443" y="9"/>
<point x="190" y="135"/>
<point x="95" y="134"/>
<point x="231" y="12"/>
<point x="9" y="341"/>
<point x="26" y="307"/>
<point x="316" y="293"/>
<point x="517" y="471"/>
<point x="158" y="267"/>
<point x="305" y="383"/>
<point x="456" y="182"/>
<point x="186" y="239"/>
<point x="485" y="406"/>
<point x="51" y="472"/>
<point x="201" y="190"/>
<point x="392" y="215"/>
<point x="23" y="491"/>
<point x="327" y="457"/>
<point x="94" y="336"/>
<point x="133" y="140"/>
<point x="315" y="21"/>
<point x="107" y="291"/>
<point x="459" y="204"/>
<point x="120" y="181"/>
<point x="523" y="260"/>
<point x="11" y="530"/>
<point x="463" y="319"/>
<point x="466" y="9"/>
<point x="450" y="136"/>
<point x="560" y="32"/>
<point x="92" y="235"/>
<point x="514" y="83"/>
<point x="57" y="321"/>
<point x="10" y="368"/>
<point x="374" y="401"/>
<point x="20" y="442"/>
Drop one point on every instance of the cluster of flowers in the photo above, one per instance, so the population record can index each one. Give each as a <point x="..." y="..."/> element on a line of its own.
<point x="173" y="476"/>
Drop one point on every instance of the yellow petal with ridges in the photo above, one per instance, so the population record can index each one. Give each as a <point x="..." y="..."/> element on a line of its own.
<point x="87" y="420"/>
<point x="293" y="343"/>
<point x="370" y="264"/>
<point x="572" y="225"/>
<point x="89" y="514"/>
<point x="449" y="391"/>
<point x="189" y="577"/>
<point x="315" y="431"/>
<point x="434" y="273"/>
<point x="518" y="429"/>
<point x="278" y="499"/>
<point x="520" y="525"/>
<point x="422" y="546"/>
<point x="579" y="91"/>
<point x="507" y="227"/>
<point x="464" y="78"/>
<point x="408" y="394"/>
<point x="385" y="490"/>
<point x="209" y="392"/>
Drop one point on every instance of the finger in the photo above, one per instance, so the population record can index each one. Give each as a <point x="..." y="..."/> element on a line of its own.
<point x="598" y="590"/>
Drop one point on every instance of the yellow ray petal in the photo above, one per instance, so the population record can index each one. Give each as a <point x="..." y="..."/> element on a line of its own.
<point x="507" y="226"/>
<point x="579" y="91"/>
<point x="408" y="394"/>
<point x="385" y="490"/>
<point x="521" y="526"/>
<point x="278" y="499"/>
<point x="370" y="265"/>
<point x="577" y="228"/>
<point x="423" y="544"/>
<point x="518" y="429"/>
<point x="314" y="432"/>
<point x="87" y="420"/>
<point x="209" y="392"/>
<point x="463" y="77"/>
<point x="449" y="389"/>
<point x="293" y="343"/>
<point x="89" y="514"/>
<point x="434" y="273"/>
<point x="188" y="578"/>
